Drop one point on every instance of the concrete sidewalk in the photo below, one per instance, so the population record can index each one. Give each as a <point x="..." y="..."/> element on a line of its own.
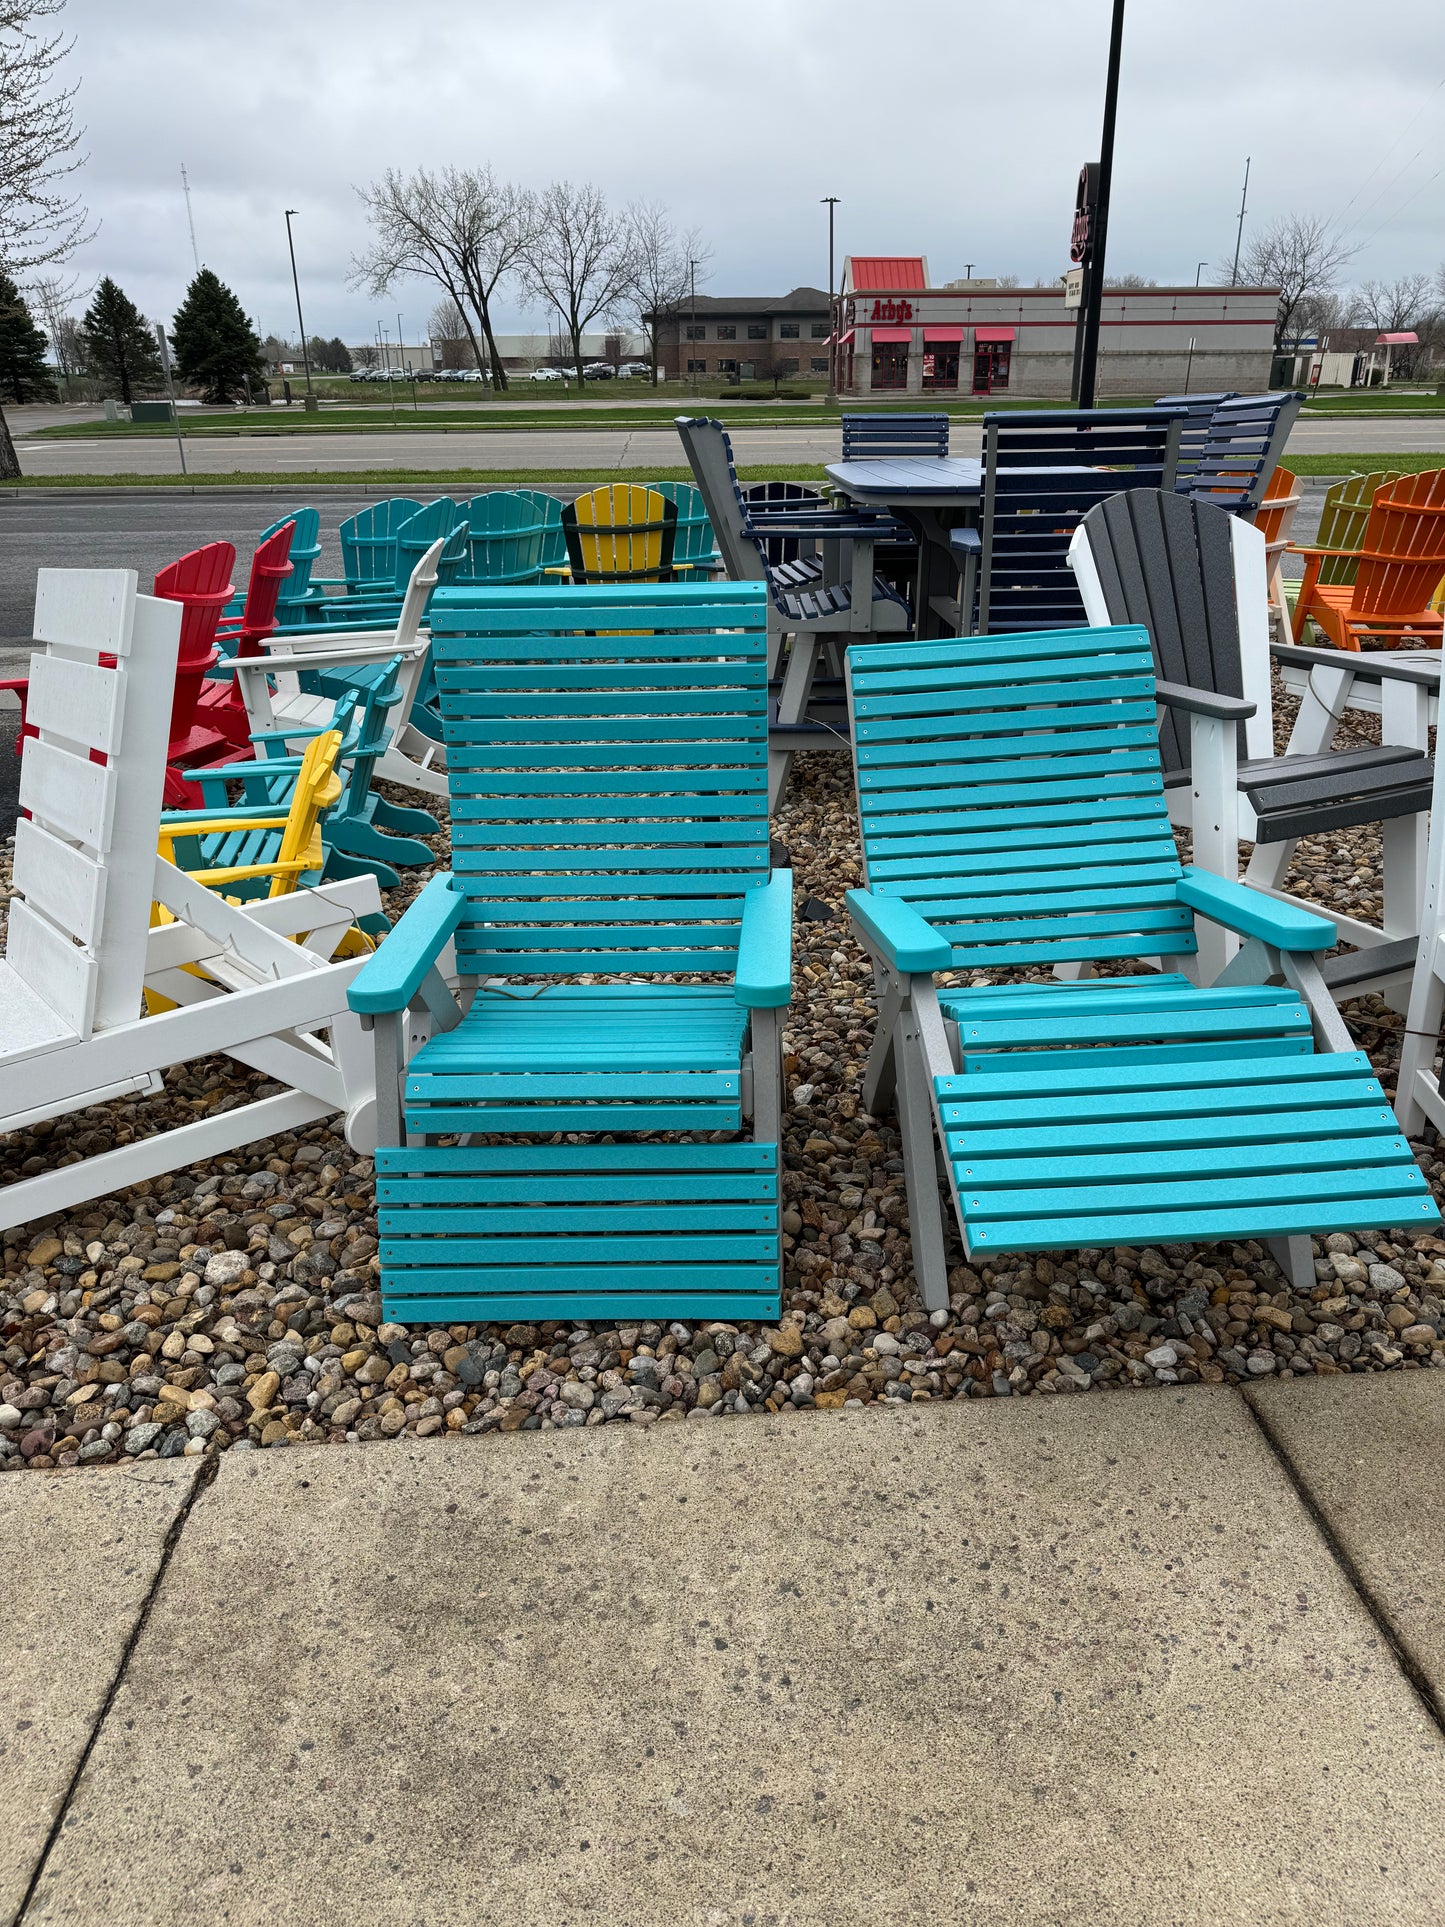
<point x="1125" y="1659"/>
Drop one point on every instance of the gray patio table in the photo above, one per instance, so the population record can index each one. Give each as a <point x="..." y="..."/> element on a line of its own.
<point x="932" y="495"/>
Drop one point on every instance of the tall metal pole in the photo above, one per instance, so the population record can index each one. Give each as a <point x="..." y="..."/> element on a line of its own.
<point x="296" y="284"/>
<point x="170" y="392"/>
<point x="830" y="201"/>
<point x="401" y="356"/>
<point x="1239" y="231"/>
<point x="190" y="218"/>
<point x="1198" y="270"/>
<point x="1094" y="276"/>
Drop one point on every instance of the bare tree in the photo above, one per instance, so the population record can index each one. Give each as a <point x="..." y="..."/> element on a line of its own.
<point x="459" y="227"/>
<point x="366" y="356"/>
<point x="663" y="266"/>
<point x="41" y="222"/>
<point x="578" y="259"/>
<point x="448" y="326"/>
<point x="1300" y="255"/>
<point x="53" y="295"/>
<point x="1393" y="307"/>
<point x="1130" y="281"/>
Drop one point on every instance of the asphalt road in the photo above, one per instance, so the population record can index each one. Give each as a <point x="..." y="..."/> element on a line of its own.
<point x="544" y="448"/>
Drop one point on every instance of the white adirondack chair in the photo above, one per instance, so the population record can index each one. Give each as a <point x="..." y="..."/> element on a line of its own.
<point x="271" y="688"/>
<point x="80" y="950"/>
<point x="1418" y="1095"/>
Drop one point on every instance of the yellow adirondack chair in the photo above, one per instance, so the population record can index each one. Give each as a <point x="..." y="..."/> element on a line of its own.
<point x="1343" y="522"/>
<point x="620" y="533"/>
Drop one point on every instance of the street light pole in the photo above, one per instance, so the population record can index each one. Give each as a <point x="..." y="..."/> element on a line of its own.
<point x="830" y="201"/>
<point x="1198" y="271"/>
<point x="1094" y="274"/>
<point x="296" y="284"/>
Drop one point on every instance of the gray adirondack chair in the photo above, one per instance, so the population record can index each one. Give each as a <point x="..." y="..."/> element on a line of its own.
<point x="848" y="604"/>
<point x="1196" y="577"/>
<point x="1241" y="451"/>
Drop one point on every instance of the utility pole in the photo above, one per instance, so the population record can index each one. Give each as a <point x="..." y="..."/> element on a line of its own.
<point x="190" y="218"/>
<point x="401" y="356"/>
<point x="830" y="201"/>
<point x="1099" y="223"/>
<point x="1239" y="231"/>
<point x="296" y="284"/>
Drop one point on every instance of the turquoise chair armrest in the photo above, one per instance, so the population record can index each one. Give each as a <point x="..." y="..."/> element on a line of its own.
<point x="764" y="976"/>
<point x="896" y="931"/>
<point x="391" y="977"/>
<point x="1252" y="914"/>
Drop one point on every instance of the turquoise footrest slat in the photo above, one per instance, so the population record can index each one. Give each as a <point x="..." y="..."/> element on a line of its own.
<point x="593" y="1232"/>
<point x="1106" y="1149"/>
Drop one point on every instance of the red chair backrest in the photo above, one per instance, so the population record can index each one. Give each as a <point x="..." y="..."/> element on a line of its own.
<point x="201" y="583"/>
<point x="270" y="567"/>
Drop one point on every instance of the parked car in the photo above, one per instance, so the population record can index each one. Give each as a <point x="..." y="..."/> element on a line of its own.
<point x="599" y="371"/>
<point x="629" y="369"/>
<point x="363" y="374"/>
<point x="548" y="374"/>
<point x="470" y="374"/>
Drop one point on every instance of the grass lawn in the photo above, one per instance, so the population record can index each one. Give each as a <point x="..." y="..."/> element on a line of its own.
<point x="1411" y="463"/>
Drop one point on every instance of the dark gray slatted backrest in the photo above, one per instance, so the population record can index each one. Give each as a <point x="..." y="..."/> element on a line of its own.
<point x="1167" y="562"/>
<point x="1246" y="438"/>
<point x="1194" y="429"/>
<point x="910" y="434"/>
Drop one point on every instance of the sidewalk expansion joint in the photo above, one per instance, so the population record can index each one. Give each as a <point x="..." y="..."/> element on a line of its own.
<point x="210" y="1465"/>
<point x="1418" y="1678"/>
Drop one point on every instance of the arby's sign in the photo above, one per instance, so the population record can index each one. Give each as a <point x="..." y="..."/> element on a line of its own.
<point x="891" y="310"/>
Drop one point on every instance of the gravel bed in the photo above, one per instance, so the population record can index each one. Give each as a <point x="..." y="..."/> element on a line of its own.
<point x="235" y="1305"/>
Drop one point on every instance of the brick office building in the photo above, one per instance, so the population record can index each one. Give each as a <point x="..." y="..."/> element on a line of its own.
<point x="900" y="335"/>
<point x="746" y="337"/>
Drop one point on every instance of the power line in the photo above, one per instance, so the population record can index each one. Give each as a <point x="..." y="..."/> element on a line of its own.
<point x="1385" y="153"/>
<point x="1401" y="208"/>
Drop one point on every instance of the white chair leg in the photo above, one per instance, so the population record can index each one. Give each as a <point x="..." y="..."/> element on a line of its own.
<point x="915" y="1127"/>
<point x="792" y="708"/>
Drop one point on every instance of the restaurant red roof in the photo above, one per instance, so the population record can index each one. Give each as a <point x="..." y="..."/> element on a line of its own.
<point x="888" y="271"/>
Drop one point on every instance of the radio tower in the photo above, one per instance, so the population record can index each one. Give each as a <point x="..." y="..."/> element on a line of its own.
<point x="190" y="219"/>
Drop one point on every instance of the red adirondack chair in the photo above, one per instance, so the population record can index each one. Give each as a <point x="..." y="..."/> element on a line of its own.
<point x="219" y="703"/>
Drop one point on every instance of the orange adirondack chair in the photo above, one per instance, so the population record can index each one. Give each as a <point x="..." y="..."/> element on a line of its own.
<point x="1274" y="519"/>
<point x="1387" y="606"/>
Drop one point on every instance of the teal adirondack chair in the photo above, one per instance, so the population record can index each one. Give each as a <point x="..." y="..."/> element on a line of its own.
<point x="364" y="834"/>
<point x="554" y="541"/>
<point x="693" y="544"/>
<point x="607" y="757"/>
<point x="1013" y="815"/>
<point x="368" y="545"/>
<point x="506" y="532"/>
<point x="297" y="592"/>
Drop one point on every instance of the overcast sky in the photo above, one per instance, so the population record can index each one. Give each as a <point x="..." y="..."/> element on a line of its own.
<point x="949" y="127"/>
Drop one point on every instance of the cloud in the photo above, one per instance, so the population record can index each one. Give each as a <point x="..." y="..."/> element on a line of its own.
<point x="952" y="130"/>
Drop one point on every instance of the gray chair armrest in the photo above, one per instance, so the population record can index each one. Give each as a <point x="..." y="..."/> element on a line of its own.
<point x="1204" y="702"/>
<point x="1372" y="668"/>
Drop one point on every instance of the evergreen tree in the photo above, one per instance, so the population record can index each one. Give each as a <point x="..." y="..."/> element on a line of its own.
<point x="23" y="373"/>
<point x="120" y="344"/>
<point x="340" y="362"/>
<point x="216" y="347"/>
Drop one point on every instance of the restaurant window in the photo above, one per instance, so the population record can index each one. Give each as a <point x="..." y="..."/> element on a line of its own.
<point x="940" y="364"/>
<point x="890" y="364"/>
<point x="820" y="331"/>
<point x="819" y="364"/>
<point x="696" y="331"/>
<point x="697" y="367"/>
<point x="757" y="331"/>
<point x="788" y="330"/>
<point x="727" y="331"/>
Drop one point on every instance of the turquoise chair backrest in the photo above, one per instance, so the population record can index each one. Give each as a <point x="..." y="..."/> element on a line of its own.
<point x="1010" y="788"/>
<point x="368" y="541"/>
<point x="607" y="752"/>
<point x="694" y="539"/>
<point x="554" y="541"/>
<point x="416" y="535"/>
<point x="505" y="533"/>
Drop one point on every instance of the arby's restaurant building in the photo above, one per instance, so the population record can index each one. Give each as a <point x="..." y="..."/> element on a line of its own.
<point x="899" y="335"/>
